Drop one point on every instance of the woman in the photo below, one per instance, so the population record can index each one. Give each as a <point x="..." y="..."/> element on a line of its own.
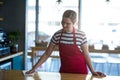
<point x="73" y="48"/>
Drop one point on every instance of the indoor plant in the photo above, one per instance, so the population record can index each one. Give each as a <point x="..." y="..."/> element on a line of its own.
<point x="14" y="38"/>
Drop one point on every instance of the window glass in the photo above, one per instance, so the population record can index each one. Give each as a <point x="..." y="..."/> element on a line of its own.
<point x="100" y="20"/>
<point x="50" y="14"/>
<point x="31" y="3"/>
<point x="31" y="22"/>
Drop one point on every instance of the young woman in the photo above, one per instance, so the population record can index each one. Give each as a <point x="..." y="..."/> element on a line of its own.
<point x="73" y="48"/>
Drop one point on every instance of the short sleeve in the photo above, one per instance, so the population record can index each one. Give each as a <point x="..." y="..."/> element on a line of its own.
<point x="55" y="37"/>
<point x="83" y="38"/>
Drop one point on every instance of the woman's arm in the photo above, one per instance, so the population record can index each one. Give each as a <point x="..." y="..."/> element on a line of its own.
<point x="43" y="58"/>
<point x="85" y="49"/>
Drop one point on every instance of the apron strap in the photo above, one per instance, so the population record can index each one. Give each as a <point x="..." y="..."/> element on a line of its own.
<point x="74" y="37"/>
<point x="60" y="36"/>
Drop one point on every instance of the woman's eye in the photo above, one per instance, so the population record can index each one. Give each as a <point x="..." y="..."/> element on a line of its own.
<point x="68" y="23"/>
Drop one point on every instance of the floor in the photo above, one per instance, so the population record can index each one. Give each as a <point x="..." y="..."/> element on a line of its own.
<point x="107" y="63"/>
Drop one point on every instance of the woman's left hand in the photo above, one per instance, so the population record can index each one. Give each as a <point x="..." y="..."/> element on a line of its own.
<point x="99" y="74"/>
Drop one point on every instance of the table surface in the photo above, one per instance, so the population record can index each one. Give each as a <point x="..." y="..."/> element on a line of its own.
<point x="18" y="75"/>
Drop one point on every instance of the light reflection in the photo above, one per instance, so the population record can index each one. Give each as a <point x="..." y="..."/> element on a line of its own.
<point x="48" y="76"/>
<point x="103" y="78"/>
<point x="62" y="76"/>
<point x="70" y="76"/>
<point x="29" y="78"/>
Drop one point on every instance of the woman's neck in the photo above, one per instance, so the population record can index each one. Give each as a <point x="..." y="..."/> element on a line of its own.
<point x="69" y="31"/>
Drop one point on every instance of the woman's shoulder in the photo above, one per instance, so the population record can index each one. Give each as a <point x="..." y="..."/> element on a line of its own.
<point x="80" y="32"/>
<point x="59" y="31"/>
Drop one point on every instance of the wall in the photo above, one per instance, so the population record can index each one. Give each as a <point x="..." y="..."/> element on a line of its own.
<point x="13" y="12"/>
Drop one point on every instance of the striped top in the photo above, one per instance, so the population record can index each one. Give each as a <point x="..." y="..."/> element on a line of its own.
<point x="67" y="37"/>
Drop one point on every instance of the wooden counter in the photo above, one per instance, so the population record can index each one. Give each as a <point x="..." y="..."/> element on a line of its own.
<point x="10" y="56"/>
<point x="91" y="50"/>
<point x="105" y="51"/>
<point x="18" y="75"/>
<point x="55" y="53"/>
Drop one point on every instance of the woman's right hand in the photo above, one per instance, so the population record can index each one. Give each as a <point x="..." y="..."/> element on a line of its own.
<point x="30" y="71"/>
<point x="99" y="74"/>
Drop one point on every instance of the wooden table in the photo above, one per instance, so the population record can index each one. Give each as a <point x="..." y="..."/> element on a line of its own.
<point x="18" y="75"/>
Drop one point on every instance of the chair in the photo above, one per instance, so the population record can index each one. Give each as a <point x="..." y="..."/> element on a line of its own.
<point x="99" y="59"/>
<point x="114" y="59"/>
<point x="55" y="62"/>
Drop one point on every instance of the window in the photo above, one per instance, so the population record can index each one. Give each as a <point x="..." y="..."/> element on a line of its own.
<point x="100" y="20"/>
<point x="31" y="14"/>
<point x="49" y="21"/>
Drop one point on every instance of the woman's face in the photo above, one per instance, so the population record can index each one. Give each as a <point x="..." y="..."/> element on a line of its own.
<point x="67" y="24"/>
